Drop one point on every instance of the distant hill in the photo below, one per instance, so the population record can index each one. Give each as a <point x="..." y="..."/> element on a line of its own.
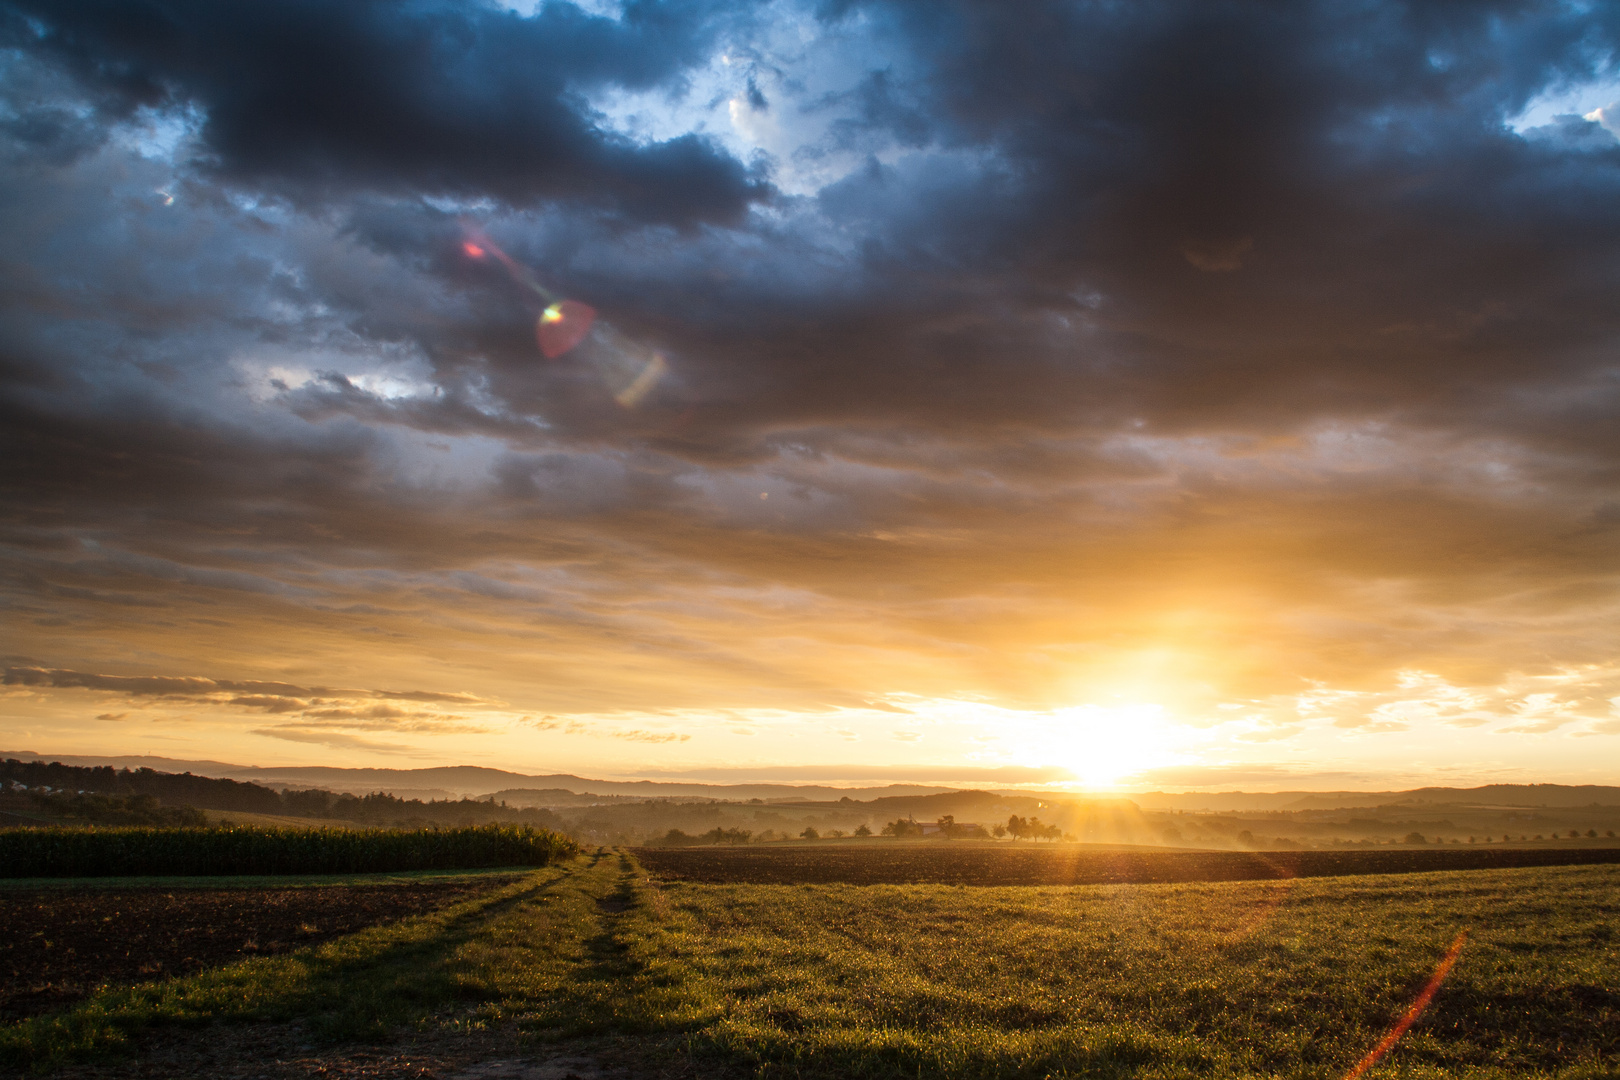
<point x="456" y="781"/>
<point x="566" y="789"/>
<point x="1521" y="795"/>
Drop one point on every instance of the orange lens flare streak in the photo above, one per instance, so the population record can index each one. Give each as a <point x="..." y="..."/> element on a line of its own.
<point x="1388" y="1042"/>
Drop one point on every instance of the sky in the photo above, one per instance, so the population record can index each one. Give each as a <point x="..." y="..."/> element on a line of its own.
<point x="1154" y="395"/>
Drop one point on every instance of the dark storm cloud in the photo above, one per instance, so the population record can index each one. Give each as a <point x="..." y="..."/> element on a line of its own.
<point x="442" y="98"/>
<point x="1278" y="211"/>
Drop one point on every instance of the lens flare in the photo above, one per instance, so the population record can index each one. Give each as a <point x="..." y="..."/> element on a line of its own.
<point x="629" y="368"/>
<point x="1410" y="1017"/>
<point x="563" y="325"/>
<point x="631" y="395"/>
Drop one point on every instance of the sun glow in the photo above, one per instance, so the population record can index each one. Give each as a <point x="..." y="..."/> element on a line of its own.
<point x="1102" y="744"/>
<point x="1099" y="746"/>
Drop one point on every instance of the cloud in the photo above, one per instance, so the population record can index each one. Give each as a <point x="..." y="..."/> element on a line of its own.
<point x="270" y="696"/>
<point x="637" y="735"/>
<point x="333" y="739"/>
<point x="177" y="685"/>
<point x="1225" y="366"/>
<point x="451" y="99"/>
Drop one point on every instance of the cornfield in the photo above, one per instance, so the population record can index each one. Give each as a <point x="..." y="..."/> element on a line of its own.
<point x="140" y="851"/>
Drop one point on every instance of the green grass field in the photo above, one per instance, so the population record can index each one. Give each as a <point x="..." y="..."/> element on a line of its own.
<point x="1284" y="978"/>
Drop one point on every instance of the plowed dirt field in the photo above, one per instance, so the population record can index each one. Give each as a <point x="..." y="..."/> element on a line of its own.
<point x="949" y="863"/>
<point x="59" y="945"/>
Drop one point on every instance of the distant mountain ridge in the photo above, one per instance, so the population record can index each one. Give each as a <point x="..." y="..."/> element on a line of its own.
<point x="456" y="781"/>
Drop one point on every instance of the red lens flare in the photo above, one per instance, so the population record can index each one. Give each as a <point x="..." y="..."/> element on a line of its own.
<point x="562" y="326"/>
<point x="1388" y="1042"/>
<point x="630" y="369"/>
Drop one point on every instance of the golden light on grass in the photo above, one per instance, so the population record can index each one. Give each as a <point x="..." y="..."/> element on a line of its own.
<point x="1415" y="1010"/>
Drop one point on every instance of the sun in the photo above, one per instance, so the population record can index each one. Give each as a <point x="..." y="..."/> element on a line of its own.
<point x="1104" y="744"/>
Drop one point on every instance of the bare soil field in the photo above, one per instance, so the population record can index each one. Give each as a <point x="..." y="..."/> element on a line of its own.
<point x="57" y="945"/>
<point x="971" y="864"/>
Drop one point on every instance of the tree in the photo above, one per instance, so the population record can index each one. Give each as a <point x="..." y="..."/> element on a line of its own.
<point x="1032" y="828"/>
<point x="810" y="833"/>
<point x="947" y="826"/>
<point x="999" y="831"/>
<point x="902" y="827"/>
<point x="1414" y="838"/>
<point x="863" y="830"/>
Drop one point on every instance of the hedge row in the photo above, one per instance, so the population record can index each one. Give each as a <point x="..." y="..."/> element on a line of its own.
<point x="122" y="852"/>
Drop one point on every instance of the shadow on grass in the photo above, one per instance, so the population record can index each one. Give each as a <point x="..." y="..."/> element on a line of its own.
<point x="357" y="986"/>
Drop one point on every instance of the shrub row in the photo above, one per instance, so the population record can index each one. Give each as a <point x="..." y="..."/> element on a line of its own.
<point x="121" y="852"/>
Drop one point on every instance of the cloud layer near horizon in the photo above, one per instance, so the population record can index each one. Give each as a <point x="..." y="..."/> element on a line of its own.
<point x="1256" y="364"/>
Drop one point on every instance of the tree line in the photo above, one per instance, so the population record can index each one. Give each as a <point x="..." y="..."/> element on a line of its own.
<point x="104" y="795"/>
<point x="1019" y="828"/>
